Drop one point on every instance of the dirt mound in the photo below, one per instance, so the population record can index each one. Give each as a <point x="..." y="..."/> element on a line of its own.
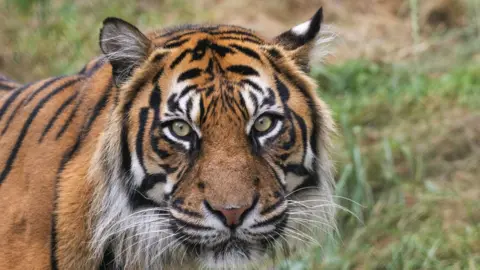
<point x="372" y="29"/>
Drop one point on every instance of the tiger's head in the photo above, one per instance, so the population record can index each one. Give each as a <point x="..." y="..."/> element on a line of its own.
<point x="217" y="149"/>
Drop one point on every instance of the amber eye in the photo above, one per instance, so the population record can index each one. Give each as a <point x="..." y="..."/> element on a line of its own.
<point x="263" y="123"/>
<point x="181" y="128"/>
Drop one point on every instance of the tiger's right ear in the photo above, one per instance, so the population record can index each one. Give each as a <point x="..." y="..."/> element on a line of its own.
<point x="124" y="46"/>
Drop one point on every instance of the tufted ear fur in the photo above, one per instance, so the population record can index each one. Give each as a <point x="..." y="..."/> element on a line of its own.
<point x="301" y="39"/>
<point x="124" y="46"/>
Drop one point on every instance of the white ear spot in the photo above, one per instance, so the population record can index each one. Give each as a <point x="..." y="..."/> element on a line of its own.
<point x="301" y="29"/>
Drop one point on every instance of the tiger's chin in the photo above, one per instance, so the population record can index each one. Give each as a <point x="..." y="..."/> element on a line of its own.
<point x="234" y="253"/>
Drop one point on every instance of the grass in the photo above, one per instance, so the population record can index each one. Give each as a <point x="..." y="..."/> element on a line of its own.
<point x="409" y="150"/>
<point x="409" y="154"/>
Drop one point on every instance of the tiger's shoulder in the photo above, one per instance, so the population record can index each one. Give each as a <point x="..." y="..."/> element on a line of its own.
<point x="43" y="126"/>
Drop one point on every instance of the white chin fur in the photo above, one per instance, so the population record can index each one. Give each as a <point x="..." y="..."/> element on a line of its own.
<point x="232" y="260"/>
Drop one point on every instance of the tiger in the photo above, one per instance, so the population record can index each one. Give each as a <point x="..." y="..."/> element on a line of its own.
<point x="197" y="146"/>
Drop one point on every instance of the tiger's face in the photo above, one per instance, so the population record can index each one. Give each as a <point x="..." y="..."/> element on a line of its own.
<point x="223" y="139"/>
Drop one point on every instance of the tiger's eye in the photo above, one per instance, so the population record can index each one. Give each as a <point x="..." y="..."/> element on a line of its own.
<point x="263" y="123"/>
<point x="181" y="129"/>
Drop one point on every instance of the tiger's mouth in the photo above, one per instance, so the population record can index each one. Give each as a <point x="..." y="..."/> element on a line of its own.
<point x="217" y="238"/>
<point x="239" y="246"/>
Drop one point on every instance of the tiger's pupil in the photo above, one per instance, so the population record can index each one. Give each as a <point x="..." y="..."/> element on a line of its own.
<point x="181" y="128"/>
<point x="263" y="123"/>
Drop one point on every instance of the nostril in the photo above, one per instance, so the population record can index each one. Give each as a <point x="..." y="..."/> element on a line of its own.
<point x="233" y="215"/>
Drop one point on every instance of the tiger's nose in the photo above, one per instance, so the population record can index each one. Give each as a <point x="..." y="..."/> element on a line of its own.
<point x="232" y="215"/>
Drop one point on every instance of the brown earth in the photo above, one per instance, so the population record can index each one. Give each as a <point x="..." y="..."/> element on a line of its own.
<point x="371" y="29"/>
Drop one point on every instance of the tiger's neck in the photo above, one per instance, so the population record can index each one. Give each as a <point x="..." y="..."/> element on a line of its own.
<point x="77" y="179"/>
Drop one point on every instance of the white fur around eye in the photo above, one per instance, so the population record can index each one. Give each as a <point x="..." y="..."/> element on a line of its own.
<point x="172" y="137"/>
<point x="273" y="132"/>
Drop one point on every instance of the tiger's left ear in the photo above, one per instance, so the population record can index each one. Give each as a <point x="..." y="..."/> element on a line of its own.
<point x="300" y="40"/>
<point x="124" y="46"/>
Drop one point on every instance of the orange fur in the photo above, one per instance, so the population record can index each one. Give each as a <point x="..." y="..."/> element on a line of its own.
<point x="65" y="133"/>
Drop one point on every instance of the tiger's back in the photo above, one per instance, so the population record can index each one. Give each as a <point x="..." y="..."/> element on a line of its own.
<point x="43" y="125"/>
<point x="7" y="85"/>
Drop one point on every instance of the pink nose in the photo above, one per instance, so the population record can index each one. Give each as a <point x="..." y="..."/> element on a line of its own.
<point x="232" y="215"/>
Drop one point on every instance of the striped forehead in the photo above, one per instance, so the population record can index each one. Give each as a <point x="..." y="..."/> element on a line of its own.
<point x="203" y="66"/>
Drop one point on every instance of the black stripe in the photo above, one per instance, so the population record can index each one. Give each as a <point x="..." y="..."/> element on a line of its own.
<point x="303" y="129"/>
<point x="157" y="77"/>
<point x="236" y="32"/>
<point x="179" y="58"/>
<point x="87" y="71"/>
<point x="241" y="107"/>
<point x="243" y="70"/>
<point x="189" y="74"/>
<point x="176" y="44"/>
<point x="188" y="225"/>
<point x="155" y="142"/>
<point x="53" y="233"/>
<point x="185" y="30"/>
<point x="242" y="39"/>
<point x="209" y="91"/>
<point x="26" y="126"/>
<point x="57" y="114"/>
<point x="172" y="105"/>
<point x="273" y="52"/>
<point x="189" y="109"/>
<point x="287" y="145"/>
<point x="221" y="50"/>
<point x="140" y="135"/>
<point x="25" y="101"/>
<point x="151" y="180"/>
<point x="39" y="90"/>
<point x="246" y="51"/>
<point x="6" y="87"/>
<point x="159" y="57"/>
<point x="185" y="211"/>
<point x="282" y="89"/>
<point x="186" y="90"/>
<point x="69" y="119"/>
<point x="253" y="85"/>
<point x="276" y="219"/>
<point x="176" y="35"/>
<point x="12" y="98"/>
<point x="297" y="169"/>
<point x="255" y="102"/>
<point x="272" y="207"/>
<point x="269" y="99"/>
<point x="202" y="111"/>
<point x="155" y="98"/>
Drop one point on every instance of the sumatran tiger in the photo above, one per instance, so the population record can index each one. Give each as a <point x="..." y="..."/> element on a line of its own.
<point x="200" y="146"/>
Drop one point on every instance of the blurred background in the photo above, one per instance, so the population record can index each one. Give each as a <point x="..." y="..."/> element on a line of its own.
<point x="403" y="80"/>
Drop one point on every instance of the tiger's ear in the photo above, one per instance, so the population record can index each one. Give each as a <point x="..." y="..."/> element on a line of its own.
<point x="300" y="40"/>
<point x="124" y="46"/>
